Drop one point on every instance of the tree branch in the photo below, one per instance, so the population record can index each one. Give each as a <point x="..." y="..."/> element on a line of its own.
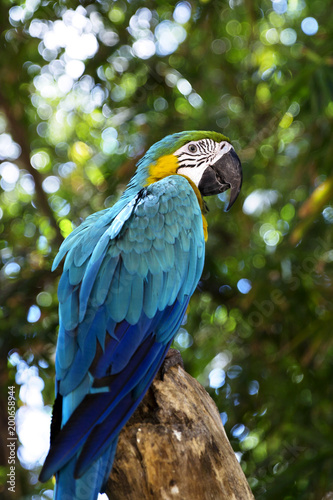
<point x="174" y="446"/>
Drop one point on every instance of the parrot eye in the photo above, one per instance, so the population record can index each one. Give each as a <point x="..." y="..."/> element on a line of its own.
<point x="192" y="148"/>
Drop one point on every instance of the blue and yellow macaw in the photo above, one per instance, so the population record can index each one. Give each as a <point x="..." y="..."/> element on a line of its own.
<point x="128" y="275"/>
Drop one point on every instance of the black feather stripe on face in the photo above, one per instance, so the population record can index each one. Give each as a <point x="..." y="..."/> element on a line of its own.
<point x="205" y="150"/>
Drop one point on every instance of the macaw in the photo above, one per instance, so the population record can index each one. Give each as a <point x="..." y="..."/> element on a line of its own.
<point x="127" y="278"/>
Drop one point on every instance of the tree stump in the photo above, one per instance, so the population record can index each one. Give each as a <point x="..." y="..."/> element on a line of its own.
<point x="175" y="448"/>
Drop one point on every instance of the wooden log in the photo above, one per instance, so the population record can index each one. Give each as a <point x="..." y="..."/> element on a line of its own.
<point x="175" y="448"/>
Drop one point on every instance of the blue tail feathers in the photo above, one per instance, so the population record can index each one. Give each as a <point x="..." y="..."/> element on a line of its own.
<point x="90" y="484"/>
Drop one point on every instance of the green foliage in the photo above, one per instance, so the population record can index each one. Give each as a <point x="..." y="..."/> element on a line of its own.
<point x="84" y="91"/>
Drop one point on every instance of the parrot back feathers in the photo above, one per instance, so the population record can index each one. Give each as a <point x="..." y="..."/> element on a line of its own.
<point x="128" y="275"/>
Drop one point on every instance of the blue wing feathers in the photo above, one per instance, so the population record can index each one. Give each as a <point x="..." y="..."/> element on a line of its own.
<point x="141" y="387"/>
<point x="97" y="327"/>
<point x="169" y="256"/>
<point x="158" y="223"/>
<point x="109" y="462"/>
<point x="76" y="374"/>
<point x="170" y="220"/>
<point x="173" y="228"/>
<point x="192" y="269"/>
<point x="163" y="207"/>
<point x="121" y="218"/>
<point x="125" y="245"/>
<point x="122" y="354"/>
<point x="120" y="294"/>
<point x="101" y="330"/>
<point x="70" y="311"/>
<point x="185" y="241"/>
<point x="128" y="274"/>
<point x="111" y="425"/>
<point x="74" y="397"/>
<point x="172" y="322"/>
<point x="66" y="345"/>
<point x="159" y="245"/>
<point x="153" y="287"/>
<point x="175" y="288"/>
<point x="76" y="273"/>
<point x="142" y="266"/>
<point x="98" y="440"/>
<point x="154" y="261"/>
<point x="96" y="407"/>
<point x="145" y="246"/>
<point x="65" y="288"/>
<point x="169" y="283"/>
<point x="139" y="222"/>
<point x="69" y="260"/>
<point x="87" y="284"/>
<point x="81" y="253"/>
<point x="101" y="285"/>
<point x="136" y="303"/>
<point x="150" y="233"/>
<point x="135" y="236"/>
<point x="105" y="364"/>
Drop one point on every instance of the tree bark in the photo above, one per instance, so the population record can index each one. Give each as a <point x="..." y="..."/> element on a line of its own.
<point x="175" y="447"/>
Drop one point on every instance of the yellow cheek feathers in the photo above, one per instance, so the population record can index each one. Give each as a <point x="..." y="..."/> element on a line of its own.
<point x="167" y="165"/>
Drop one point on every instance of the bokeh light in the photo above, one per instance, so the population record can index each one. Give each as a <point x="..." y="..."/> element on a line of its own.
<point x="182" y="12"/>
<point x="288" y="36"/>
<point x="310" y="26"/>
<point x="244" y="285"/>
<point x="34" y="314"/>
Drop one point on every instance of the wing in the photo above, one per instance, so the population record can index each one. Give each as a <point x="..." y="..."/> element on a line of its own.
<point x="123" y="293"/>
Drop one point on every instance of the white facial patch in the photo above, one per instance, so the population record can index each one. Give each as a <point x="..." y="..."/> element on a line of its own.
<point x="194" y="173"/>
<point x="195" y="156"/>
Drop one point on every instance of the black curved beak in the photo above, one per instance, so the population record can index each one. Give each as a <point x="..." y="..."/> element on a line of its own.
<point x="225" y="174"/>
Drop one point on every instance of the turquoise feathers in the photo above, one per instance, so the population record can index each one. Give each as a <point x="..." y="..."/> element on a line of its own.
<point x="128" y="274"/>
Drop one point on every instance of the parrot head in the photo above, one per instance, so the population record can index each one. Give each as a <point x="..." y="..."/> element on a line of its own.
<point x="207" y="159"/>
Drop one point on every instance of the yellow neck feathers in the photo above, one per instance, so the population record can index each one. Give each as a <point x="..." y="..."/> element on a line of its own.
<point x="167" y="165"/>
